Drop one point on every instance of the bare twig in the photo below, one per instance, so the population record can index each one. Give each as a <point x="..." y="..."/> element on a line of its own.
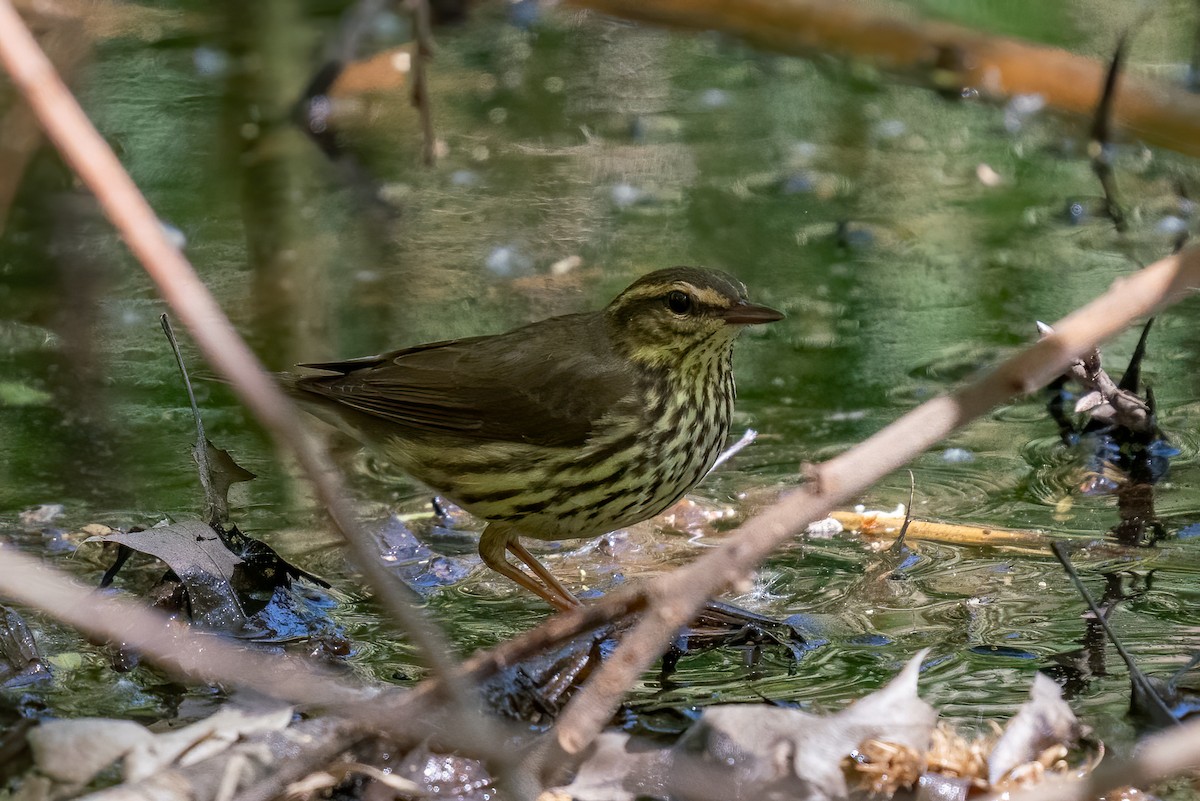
<point x="940" y="55"/>
<point x="674" y="598"/>
<point x="218" y="510"/>
<point x="898" y="546"/>
<point x="1101" y="144"/>
<point x="423" y="34"/>
<point x="91" y="158"/>
<point x="1143" y="690"/>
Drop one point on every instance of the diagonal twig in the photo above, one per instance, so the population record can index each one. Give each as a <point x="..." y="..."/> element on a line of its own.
<point x="1141" y="683"/>
<point x="675" y="597"/>
<point x="93" y="160"/>
<point x="1100" y="147"/>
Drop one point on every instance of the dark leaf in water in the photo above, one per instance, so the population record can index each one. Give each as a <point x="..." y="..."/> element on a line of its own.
<point x="291" y="616"/>
<point x="534" y="689"/>
<point x="20" y="662"/>
<point x="263" y="569"/>
<point x="198" y="556"/>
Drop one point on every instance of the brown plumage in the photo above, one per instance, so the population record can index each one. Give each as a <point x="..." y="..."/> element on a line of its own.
<point x="568" y="427"/>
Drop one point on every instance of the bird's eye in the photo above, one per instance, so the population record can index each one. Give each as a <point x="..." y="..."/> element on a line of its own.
<point x="679" y="302"/>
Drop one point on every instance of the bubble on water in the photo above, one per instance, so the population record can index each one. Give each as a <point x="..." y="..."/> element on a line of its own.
<point x="1171" y="225"/>
<point x="209" y="62"/>
<point x="1077" y="213"/>
<point x="625" y="195"/>
<point x="506" y="261"/>
<point x="318" y="111"/>
<point x="890" y="129"/>
<point x="464" y="178"/>
<point x="714" y="98"/>
<point x="1020" y="109"/>
<point x="524" y="14"/>
<point x="798" y="183"/>
<point x="957" y="456"/>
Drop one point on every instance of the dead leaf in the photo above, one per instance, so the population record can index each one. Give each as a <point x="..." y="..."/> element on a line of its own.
<point x="1042" y="722"/>
<point x="203" y="739"/>
<point x="72" y="752"/>
<point x="750" y="751"/>
<point x="198" y="556"/>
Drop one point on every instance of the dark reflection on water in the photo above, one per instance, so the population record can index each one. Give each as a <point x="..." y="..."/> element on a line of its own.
<point x="578" y="154"/>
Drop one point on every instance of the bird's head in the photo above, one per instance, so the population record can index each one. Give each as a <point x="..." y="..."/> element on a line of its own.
<point x="667" y="314"/>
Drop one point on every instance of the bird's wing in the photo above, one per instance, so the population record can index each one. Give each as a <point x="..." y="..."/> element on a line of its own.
<point x="548" y="391"/>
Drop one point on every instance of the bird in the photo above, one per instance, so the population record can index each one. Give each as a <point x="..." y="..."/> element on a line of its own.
<point x="565" y="428"/>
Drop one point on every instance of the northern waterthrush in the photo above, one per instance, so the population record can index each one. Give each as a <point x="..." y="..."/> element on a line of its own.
<point x="565" y="428"/>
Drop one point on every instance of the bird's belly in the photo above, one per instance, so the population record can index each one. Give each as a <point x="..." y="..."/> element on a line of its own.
<point x="567" y="493"/>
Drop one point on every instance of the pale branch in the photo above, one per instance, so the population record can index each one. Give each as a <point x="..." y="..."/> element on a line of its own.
<point x="674" y="598"/>
<point x="93" y="160"/>
<point x="945" y="57"/>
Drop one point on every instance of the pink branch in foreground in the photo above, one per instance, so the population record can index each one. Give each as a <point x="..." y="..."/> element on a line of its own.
<point x="676" y="597"/>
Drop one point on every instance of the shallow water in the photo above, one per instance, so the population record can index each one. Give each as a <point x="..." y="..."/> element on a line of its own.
<point x="852" y="203"/>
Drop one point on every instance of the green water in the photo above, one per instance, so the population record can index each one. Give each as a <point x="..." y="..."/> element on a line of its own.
<point x="630" y="149"/>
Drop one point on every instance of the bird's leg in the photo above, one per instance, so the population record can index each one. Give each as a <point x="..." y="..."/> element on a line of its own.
<point x="496" y="540"/>
<point x="553" y="584"/>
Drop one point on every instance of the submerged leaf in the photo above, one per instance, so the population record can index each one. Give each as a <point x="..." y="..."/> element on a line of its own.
<point x="20" y="662"/>
<point x="198" y="556"/>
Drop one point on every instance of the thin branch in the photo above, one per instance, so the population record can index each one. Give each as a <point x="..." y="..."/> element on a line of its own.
<point x="217" y="511"/>
<point x="674" y="598"/>
<point x="939" y="55"/>
<point x="95" y="163"/>
<point x="1142" y="688"/>
<point x="1101" y="144"/>
<point x="422" y="54"/>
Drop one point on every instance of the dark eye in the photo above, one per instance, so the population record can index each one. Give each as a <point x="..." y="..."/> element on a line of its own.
<point x="679" y="302"/>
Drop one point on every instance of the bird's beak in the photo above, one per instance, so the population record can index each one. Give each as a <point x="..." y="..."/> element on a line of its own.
<point x="749" y="314"/>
